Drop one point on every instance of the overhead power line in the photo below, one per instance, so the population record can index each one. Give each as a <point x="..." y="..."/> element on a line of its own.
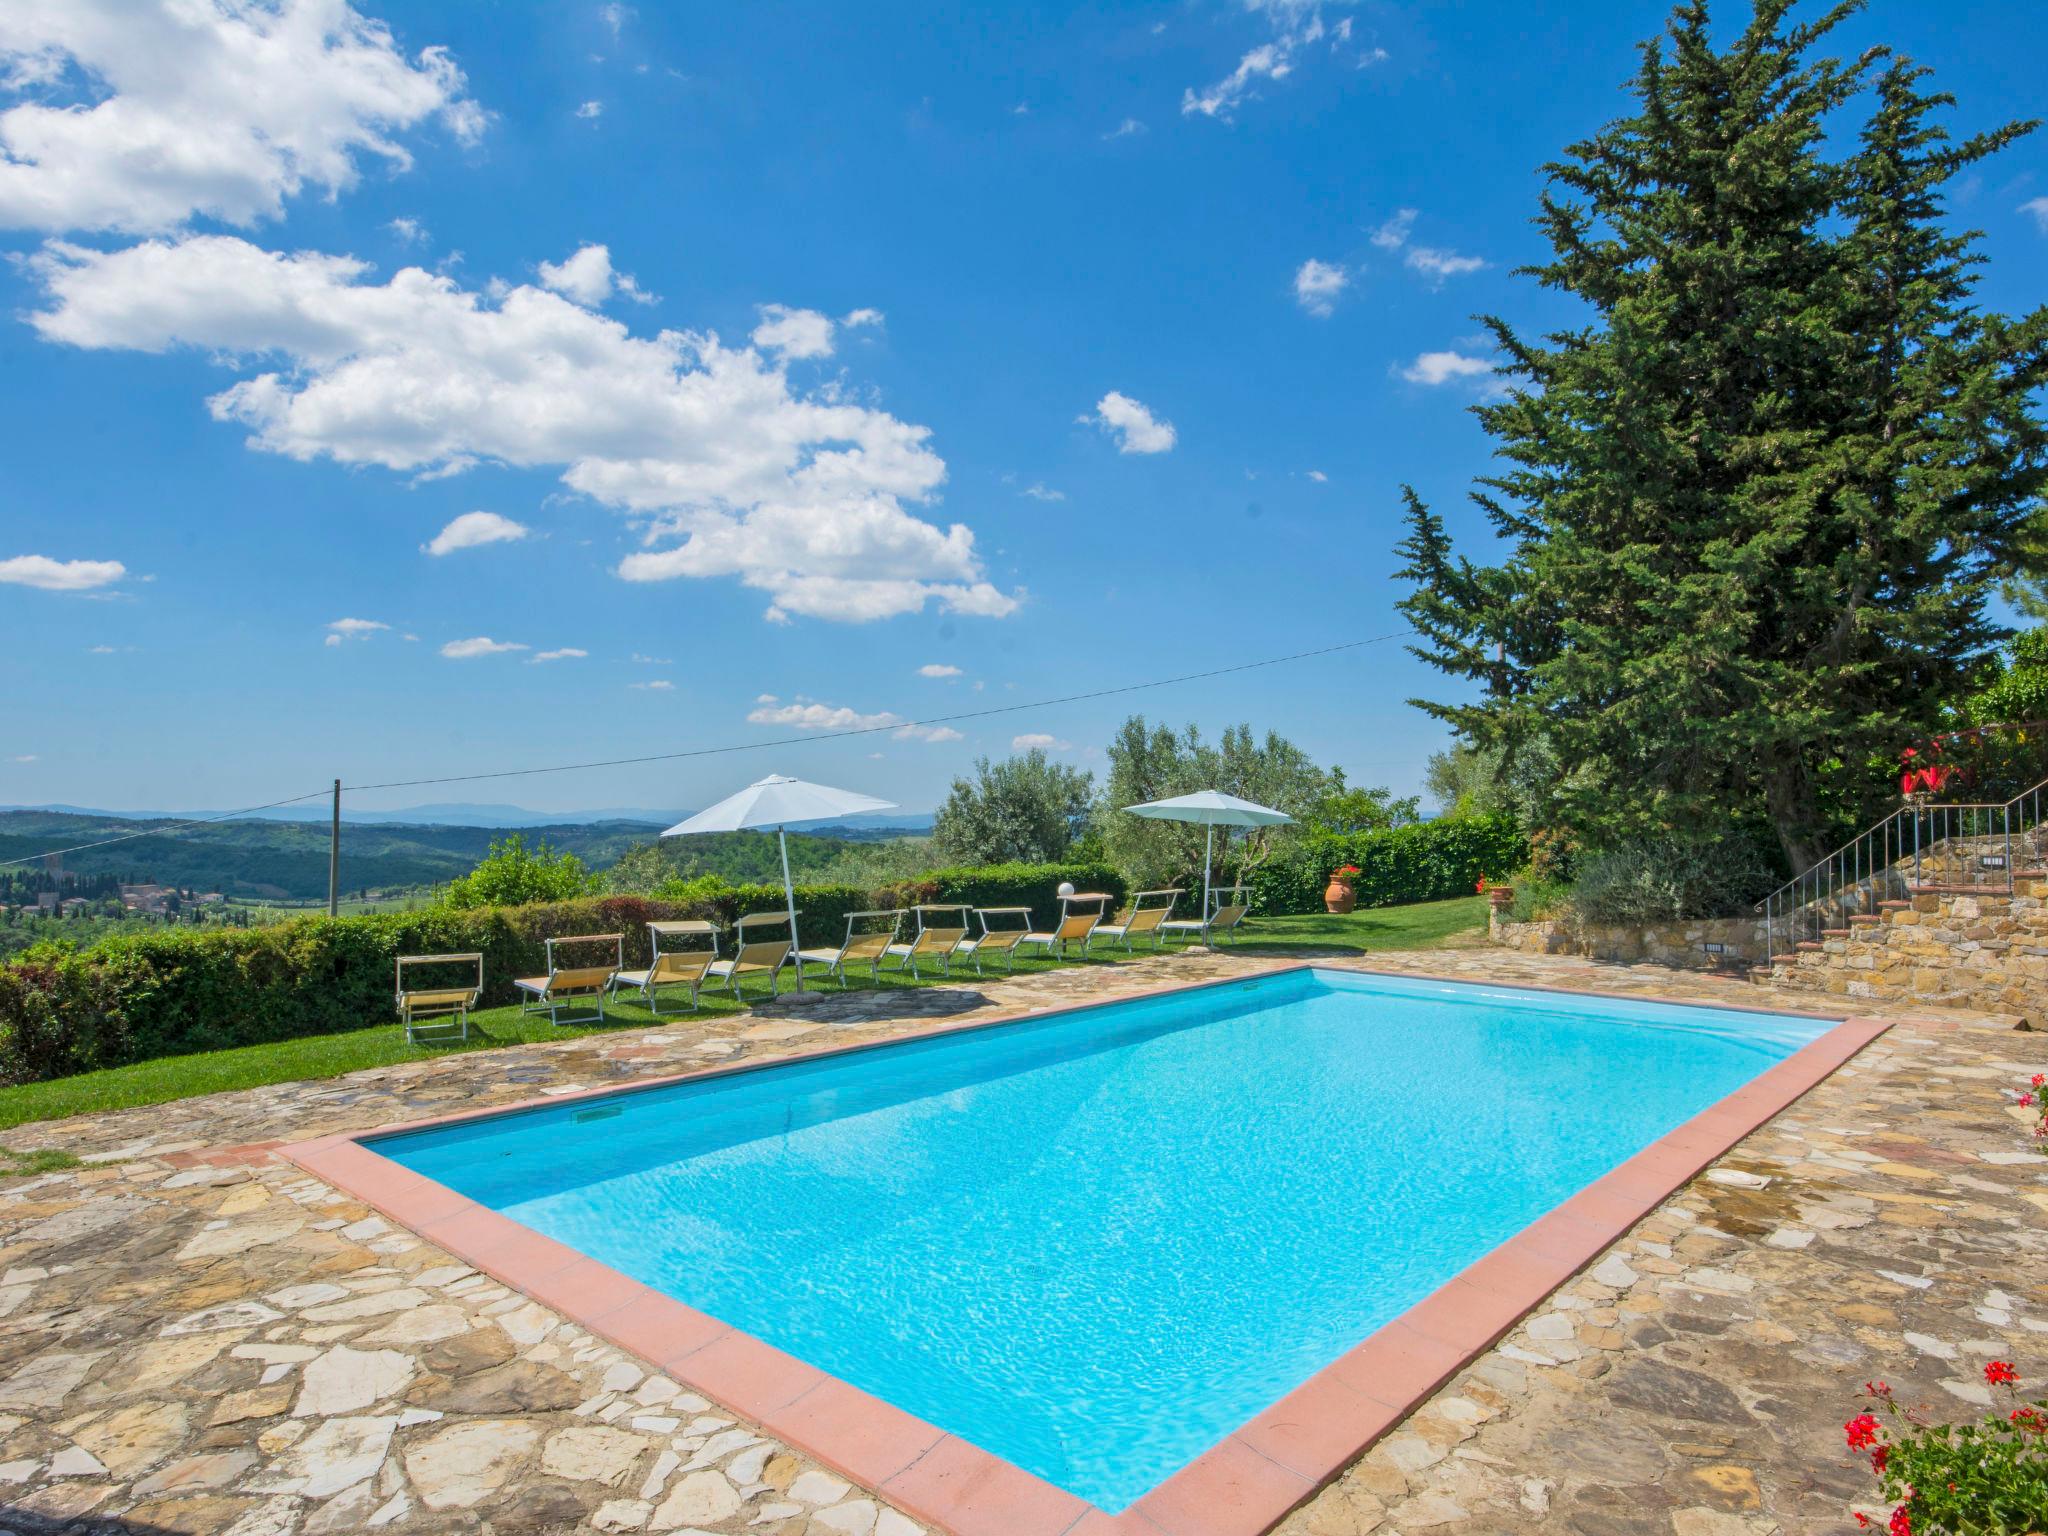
<point x="776" y="743"/>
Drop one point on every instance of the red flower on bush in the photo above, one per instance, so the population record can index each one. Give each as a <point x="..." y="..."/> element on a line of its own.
<point x="1862" y="1518"/>
<point x="1861" y="1432"/>
<point x="2040" y="1079"/>
<point x="1999" y="1373"/>
<point x="1901" y="1522"/>
<point x="2025" y="1100"/>
<point x="1879" y="1458"/>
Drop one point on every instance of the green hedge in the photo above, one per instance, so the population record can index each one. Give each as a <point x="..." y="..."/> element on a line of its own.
<point x="1429" y="861"/>
<point x="172" y="991"/>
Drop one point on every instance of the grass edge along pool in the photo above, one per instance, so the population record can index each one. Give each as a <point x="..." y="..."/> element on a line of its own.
<point x="1094" y="1243"/>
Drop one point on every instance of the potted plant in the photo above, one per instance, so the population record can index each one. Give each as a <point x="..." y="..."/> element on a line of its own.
<point x="1340" y="896"/>
<point x="1501" y="896"/>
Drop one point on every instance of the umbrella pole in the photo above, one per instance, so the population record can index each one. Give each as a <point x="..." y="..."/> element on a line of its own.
<point x="1208" y="860"/>
<point x="796" y="948"/>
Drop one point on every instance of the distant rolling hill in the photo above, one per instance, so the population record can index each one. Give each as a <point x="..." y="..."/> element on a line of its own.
<point x="287" y="860"/>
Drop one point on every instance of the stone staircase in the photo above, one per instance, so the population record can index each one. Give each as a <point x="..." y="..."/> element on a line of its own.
<point x="1962" y="945"/>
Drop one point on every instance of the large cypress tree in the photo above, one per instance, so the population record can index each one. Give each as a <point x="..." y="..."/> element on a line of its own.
<point x="1754" y="506"/>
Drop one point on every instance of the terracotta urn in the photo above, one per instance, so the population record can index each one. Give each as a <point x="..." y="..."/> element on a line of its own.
<point x="1502" y="897"/>
<point x="1339" y="897"/>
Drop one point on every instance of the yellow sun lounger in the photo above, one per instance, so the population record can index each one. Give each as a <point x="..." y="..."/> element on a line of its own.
<point x="998" y="940"/>
<point x="1147" y="913"/>
<point x="1079" y="916"/>
<point x="461" y="983"/>
<point x="861" y="947"/>
<point x="564" y="984"/>
<point x="685" y="963"/>
<point x="1229" y="906"/>
<point x="756" y="951"/>
<point x="941" y="929"/>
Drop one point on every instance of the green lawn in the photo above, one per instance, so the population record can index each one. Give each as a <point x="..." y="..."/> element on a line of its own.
<point x="177" y="1077"/>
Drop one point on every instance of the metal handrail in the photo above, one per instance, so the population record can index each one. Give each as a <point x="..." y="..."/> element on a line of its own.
<point x="1850" y="881"/>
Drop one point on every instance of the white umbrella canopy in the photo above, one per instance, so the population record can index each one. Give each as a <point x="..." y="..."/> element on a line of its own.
<point x="1211" y="808"/>
<point x="780" y="802"/>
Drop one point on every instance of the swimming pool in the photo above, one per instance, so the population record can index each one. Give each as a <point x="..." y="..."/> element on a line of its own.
<point x="1096" y="1242"/>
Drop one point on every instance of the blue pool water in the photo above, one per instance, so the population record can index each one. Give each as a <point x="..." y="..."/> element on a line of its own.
<point x="1096" y="1244"/>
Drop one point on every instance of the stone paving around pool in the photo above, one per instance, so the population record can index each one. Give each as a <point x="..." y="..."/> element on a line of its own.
<point x="196" y="1337"/>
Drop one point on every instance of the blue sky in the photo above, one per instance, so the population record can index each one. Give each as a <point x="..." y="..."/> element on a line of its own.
<point x="1064" y="349"/>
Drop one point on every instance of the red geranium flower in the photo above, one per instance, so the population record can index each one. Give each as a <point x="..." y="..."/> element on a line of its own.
<point x="1879" y="1457"/>
<point x="1901" y="1522"/>
<point x="1861" y="1518"/>
<point x="2000" y="1373"/>
<point x="1877" y="1389"/>
<point x="2026" y="1099"/>
<point x="2040" y="1079"/>
<point x="1861" y="1432"/>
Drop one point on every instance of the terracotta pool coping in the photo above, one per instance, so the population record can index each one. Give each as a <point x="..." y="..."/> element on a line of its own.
<point x="1241" y="1486"/>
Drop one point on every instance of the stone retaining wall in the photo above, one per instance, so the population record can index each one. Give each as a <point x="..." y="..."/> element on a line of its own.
<point x="1987" y="951"/>
<point x="1677" y="944"/>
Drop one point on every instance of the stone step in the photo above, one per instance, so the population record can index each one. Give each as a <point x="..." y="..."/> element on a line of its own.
<point x="1895" y="906"/>
<point x="1808" y="946"/>
<point x="1864" y="917"/>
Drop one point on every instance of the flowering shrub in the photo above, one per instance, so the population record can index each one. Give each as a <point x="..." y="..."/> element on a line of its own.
<point x="1987" y="1479"/>
<point x="2036" y="1098"/>
<point x="1347" y="873"/>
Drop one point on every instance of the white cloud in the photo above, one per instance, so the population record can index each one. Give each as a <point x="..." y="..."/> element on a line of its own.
<point x="1039" y="491"/>
<point x="800" y="496"/>
<point x="48" y="575"/>
<point x="472" y="529"/>
<point x="821" y="717"/>
<point x="1039" y="741"/>
<point x="147" y="113"/>
<point x="1132" y="423"/>
<point x="407" y="231"/>
<point x="1393" y="234"/>
<point x="1129" y="128"/>
<point x="656" y="685"/>
<point x="854" y="319"/>
<point x="590" y="109"/>
<point x="794" y="332"/>
<point x="1442" y="264"/>
<point x="937" y="669"/>
<point x="566" y="653"/>
<point x="1318" y="476"/>
<point x="1317" y="285"/>
<point x="103" y="650"/>
<point x="2038" y="207"/>
<point x="1295" y="25"/>
<point x="1431" y="261"/>
<point x="342" y="630"/>
<point x="1442" y="367"/>
<point x="931" y="733"/>
<point x="589" y="278"/>
<point x="24" y="757"/>
<point x="765" y="698"/>
<point x="482" y="645"/>
<point x="614" y="16"/>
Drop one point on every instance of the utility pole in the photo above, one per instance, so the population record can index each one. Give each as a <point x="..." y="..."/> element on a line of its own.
<point x="334" y="856"/>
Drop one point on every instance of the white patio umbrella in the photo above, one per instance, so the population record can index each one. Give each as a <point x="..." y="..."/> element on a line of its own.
<point x="1211" y="808"/>
<point x="780" y="803"/>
